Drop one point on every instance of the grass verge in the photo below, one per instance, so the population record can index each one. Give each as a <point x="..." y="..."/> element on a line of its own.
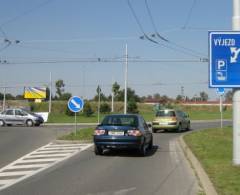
<point x="213" y="148"/>
<point x="81" y="135"/>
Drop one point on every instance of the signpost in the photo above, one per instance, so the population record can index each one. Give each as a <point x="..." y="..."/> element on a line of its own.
<point x="224" y="69"/>
<point x="220" y="92"/>
<point x="224" y="59"/>
<point x="75" y="104"/>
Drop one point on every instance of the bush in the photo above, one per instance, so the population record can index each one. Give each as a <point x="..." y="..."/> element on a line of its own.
<point x="132" y="107"/>
<point x="87" y="110"/>
<point x="105" y="108"/>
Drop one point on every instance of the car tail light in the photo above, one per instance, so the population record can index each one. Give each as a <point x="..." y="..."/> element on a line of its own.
<point x="174" y="119"/>
<point x="135" y="133"/>
<point x="99" y="132"/>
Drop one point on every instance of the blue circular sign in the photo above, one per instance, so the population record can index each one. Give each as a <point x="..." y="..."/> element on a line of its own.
<point x="220" y="91"/>
<point x="75" y="104"/>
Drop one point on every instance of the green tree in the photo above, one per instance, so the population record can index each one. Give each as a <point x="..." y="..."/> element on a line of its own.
<point x="65" y="96"/>
<point x="87" y="109"/>
<point x="115" y="88"/>
<point x="59" y="88"/>
<point x="203" y="96"/>
<point x="132" y="107"/>
<point x="229" y="96"/>
<point x="105" y="108"/>
<point x="130" y="95"/>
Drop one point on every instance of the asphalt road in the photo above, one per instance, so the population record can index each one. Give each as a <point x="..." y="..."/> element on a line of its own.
<point x="163" y="171"/>
<point x="17" y="141"/>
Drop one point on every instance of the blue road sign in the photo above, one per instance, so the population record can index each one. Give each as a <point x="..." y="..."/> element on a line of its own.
<point x="75" y="104"/>
<point x="224" y="59"/>
<point x="220" y="91"/>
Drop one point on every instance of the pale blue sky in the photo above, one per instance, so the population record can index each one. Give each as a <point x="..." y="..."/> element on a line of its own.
<point x="66" y="30"/>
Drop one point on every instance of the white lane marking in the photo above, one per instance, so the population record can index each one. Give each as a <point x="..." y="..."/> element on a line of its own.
<point x="41" y="159"/>
<point x="47" y="155"/>
<point x="6" y="181"/>
<point x="26" y="166"/>
<point x="15" y="173"/>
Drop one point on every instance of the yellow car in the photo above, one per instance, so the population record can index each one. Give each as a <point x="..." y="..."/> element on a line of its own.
<point x="170" y="119"/>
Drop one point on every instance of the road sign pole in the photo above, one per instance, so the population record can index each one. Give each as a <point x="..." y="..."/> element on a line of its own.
<point x="236" y="93"/>
<point x="75" y="123"/>
<point x="221" y="110"/>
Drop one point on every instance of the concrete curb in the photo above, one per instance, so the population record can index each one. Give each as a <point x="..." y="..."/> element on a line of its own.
<point x="200" y="172"/>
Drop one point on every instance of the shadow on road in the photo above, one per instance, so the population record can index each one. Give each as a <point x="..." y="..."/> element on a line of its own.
<point x="129" y="153"/>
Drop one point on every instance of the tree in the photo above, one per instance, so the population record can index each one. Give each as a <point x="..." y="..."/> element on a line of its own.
<point x="179" y="98"/>
<point x="115" y="88"/>
<point x="65" y="96"/>
<point x="130" y="95"/>
<point x="105" y="108"/>
<point x="59" y="88"/>
<point x="203" y="96"/>
<point x="229" y="96"/>
<point x="87" y="109"/>
<point x="102" y="96"/>
<point x="132" y="106"/>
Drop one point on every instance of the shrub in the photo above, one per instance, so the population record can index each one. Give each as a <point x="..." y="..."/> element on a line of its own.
<point x="132" y="107"/>
<point x="105" y="108"/>
<point x="87" y="109"/>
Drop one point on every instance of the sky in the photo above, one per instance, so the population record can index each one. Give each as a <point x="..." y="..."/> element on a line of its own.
<point x="83" y="42"/>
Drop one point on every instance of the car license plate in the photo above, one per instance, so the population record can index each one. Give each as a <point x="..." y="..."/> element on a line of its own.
<point x="116" y="133"/>
<point x="163" y="123"/>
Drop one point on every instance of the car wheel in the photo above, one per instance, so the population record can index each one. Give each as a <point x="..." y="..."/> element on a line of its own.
<point x="29" y="123"/>
<point x="188" y="127"/>
<point x="37" y="125"/>
<point x="150" y="146"/>
<point x="143" y="150"/>
<point x="179" y="129"/>
<point x="2" y="123"/>
<point x="98" y="150"/>
<point x="154" y="130"/>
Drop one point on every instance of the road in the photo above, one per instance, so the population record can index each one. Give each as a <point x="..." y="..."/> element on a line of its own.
<point x="163" y="171"/>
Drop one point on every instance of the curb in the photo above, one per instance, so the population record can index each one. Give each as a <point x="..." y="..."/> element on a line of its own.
<point x="198" y="169"/>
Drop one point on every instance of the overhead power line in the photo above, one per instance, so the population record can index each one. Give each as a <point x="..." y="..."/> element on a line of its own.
<point x="189" y="14"/>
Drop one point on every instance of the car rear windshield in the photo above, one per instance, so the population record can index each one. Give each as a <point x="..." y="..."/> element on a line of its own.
<point x="120" y="121"/>
<point x="165" y="113"/>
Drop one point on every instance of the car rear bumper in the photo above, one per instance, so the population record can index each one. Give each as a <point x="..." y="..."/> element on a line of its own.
<point x="118" y="142"/>
<point x="168" y="127"/>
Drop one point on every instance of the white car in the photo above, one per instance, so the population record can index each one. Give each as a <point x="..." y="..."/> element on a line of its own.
<point x="19" y="117"/>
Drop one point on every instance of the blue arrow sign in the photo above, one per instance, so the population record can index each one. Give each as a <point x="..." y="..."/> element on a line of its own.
<point x="75" y="104"/>
<point x="224" y="59"/>
<point x="220" y="91"/>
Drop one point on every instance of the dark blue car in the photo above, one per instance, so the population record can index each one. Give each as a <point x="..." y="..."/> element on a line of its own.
<point x="123" y="131"/>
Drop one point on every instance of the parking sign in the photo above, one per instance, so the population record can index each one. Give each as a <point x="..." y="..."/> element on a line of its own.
<point x="224" y="59"/>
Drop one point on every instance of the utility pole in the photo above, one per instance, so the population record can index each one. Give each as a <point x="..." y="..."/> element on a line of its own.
<point x="236" y="93"/>
<point x="50" y="94"/>
<point x="4" y="99"/>
<point x="99" y="100"/>
<point x="126" y="78"/>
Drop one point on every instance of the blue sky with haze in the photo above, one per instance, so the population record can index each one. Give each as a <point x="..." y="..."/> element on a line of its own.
<point x="64" y="31"/>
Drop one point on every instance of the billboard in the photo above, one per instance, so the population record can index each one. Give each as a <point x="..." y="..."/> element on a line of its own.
<point x="34" y="92"/>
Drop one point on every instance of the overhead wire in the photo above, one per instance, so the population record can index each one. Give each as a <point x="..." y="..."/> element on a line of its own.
<point x="192" y="52"/>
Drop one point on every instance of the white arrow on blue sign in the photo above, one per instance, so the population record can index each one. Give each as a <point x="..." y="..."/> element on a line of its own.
<point x="220" y="91"/>
<point x="75" y="104"/>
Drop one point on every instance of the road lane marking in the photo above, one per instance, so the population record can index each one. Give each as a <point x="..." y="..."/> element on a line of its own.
<point x="38" y="160"/>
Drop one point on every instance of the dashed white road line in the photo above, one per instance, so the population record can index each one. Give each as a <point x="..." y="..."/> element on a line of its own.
<point x="37" y="161"/>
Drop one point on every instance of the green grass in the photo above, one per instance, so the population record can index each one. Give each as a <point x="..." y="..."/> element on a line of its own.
<point x="81" y="135"/>
<point x="213" y="148"/>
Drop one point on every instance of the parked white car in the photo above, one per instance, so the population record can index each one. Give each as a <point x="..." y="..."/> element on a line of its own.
<point x="19" y="117"/>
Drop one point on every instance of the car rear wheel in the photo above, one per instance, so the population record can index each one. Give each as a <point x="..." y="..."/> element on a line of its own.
<point x="143" y="150"/>
<point x="150" y="146"/>
<point x="29" y="123"/>
<point x="98" y="150"/>
<point x="2" y="123"/>
<point x="188" y="127"/>
<point x="179" y="129"/>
